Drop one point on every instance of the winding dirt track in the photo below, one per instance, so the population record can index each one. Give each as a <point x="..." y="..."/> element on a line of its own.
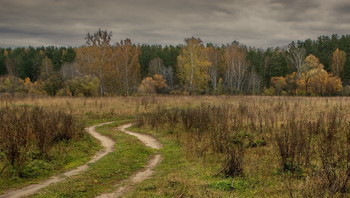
<point x="143" y="174"/>
<point x="106" y="142"/>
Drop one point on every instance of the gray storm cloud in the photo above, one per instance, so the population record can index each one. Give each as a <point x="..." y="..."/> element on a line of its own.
<point x="260" y="23"/>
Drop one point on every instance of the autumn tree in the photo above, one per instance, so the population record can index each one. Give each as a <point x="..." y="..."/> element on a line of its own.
<point x="215" y="59"/>
<point x="126" y="62"/>
<point x="154" y="84"/>
<point x="236" y="68"/>
<point x="96" y="58"/>
<point x="314" y="80"/>
<point x="89" y="61"/>
<point x="192" y="68"/>
<point x="157" y="66"/>
<point x="46" y="68"/>
<point x="296" y="56"/>
<point x="338" y="62"/>
<point x="99" y="38"/>
<point x="254" y="82"/>
<point x="311" y="67"/>
<point x="324" y="84"/>
<point x="279" y="83"/>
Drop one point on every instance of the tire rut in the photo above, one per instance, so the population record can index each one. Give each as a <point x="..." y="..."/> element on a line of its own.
<point x="142" y="174"/>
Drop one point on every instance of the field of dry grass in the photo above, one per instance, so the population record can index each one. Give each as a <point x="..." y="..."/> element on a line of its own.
<point x="246" y="146"/>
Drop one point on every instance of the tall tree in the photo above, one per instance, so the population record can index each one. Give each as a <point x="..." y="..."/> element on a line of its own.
<point x="311" y="68"/>
<point x="157" y="66"/>
<point x="296" y="57"/>
<point x="127" y="62"/>
<point x="96" y="58"/>
<point x="236" y="68"/>
<point x="97" y="61"/>
<point x="338" y="62"/>
<point x="214" y="56"/>
<point x="192" y="66"/>
<point x="99" y="38"/>
<point x="46" y="69"/>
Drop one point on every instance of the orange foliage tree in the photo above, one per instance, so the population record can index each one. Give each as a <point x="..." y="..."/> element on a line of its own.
<point x="314" y="80"/>
<point x="151" y="85"/>
<point x="116" y="66"/>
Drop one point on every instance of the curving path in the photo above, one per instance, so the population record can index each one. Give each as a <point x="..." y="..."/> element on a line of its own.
<point x="140" y="175"/>
<point x="106" y="142"/>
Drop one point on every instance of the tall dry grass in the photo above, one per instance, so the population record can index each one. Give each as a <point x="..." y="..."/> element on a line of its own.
<point x="305" y="139"/>
<point x="28" y="132"/>
<point x="311" y="136"/>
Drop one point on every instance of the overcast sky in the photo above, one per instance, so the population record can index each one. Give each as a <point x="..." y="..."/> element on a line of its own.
<point x="260" y="23"/>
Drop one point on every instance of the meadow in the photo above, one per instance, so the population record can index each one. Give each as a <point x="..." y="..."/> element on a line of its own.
<point x="214" y="146"/>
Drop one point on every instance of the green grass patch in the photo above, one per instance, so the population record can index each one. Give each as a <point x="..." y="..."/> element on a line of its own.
<point x="130" y="155"/>
<point x="180" y="176"/>
<point x="63" y="156"/>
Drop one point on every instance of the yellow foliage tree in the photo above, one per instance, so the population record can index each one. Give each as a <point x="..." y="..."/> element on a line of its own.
<point x="279" y="83"/>
<point x="97" y="61"/>
<point x="338" y="62"/>
<point x="193" y="66"/>
<point x="127" y="66"/>
<point x="311" y="67"/>
<point x="323" y="83"/>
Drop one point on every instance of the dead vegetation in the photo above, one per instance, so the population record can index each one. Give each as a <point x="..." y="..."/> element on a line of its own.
<point x="30" y="132"/>
<point x="311" y="140"/>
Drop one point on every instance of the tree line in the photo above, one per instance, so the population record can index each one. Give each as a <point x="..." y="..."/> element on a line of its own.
<point x="100" y="67"/>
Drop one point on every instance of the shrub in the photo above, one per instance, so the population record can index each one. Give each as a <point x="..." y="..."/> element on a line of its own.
<point x="27" y="130"/>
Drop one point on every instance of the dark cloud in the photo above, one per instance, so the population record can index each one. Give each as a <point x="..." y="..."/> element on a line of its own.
<point x="260" y="23"/>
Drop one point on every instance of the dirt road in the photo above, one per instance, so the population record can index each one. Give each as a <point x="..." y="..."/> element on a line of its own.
<point x="108" y="144"/>
<point x="143" y="174"/>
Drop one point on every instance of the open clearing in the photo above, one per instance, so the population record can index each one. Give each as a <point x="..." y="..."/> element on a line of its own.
<point x="198" y="134"/>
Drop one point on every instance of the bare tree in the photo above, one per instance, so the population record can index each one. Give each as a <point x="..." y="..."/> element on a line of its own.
<point x="70" y="70"/>
<point x="168" y="73"/>
<point x="213" y="70"/>
<point x="99" y="38"/>
<point x="237" y="68"/>
<point x="254" y="82"/>
<point x="157" y="66"/>
<point x="95" y="59"/>
<point x="296" y="57"/>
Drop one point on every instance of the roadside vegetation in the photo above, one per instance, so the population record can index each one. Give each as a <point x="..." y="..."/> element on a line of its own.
<point x="129" y="156"/>
<point x="285" y="148"/>
<point x="36" y="143"/>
